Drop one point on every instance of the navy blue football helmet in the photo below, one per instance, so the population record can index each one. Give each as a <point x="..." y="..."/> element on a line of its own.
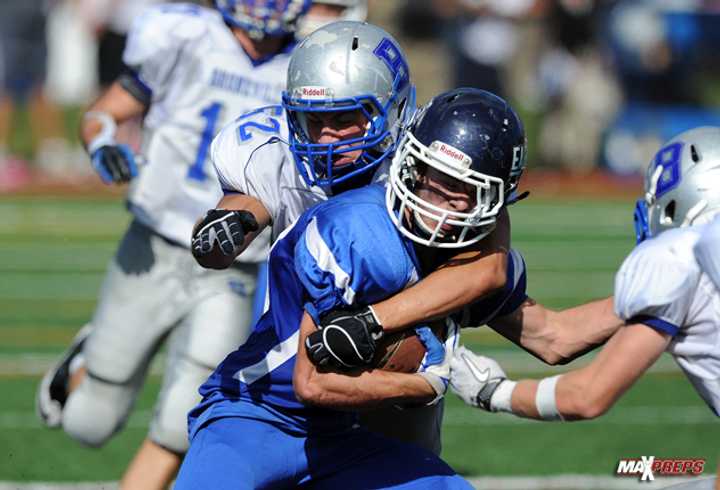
<point x="469" y="135"/>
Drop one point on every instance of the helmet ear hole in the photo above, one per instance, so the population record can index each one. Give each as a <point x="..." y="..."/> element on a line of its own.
<point x="694" y="154"/>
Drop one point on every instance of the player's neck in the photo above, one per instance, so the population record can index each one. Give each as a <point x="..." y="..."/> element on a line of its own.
<point x="259" y="49"/>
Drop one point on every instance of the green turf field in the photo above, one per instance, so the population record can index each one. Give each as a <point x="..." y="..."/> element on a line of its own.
<point x="53" y="255"/>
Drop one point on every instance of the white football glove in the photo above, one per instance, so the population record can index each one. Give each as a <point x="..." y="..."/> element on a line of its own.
<point x="476" y="378"/>
<point x="435" y="366"/>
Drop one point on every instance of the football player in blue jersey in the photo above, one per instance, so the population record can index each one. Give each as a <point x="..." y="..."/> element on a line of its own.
<point x="269" y="416"/>
<point x="191" y="70"/>
<point x="666" y="300"/>
<point x="347" y="99"/>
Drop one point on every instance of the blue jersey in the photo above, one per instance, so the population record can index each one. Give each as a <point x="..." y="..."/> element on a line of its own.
<point x="342" y="252"/>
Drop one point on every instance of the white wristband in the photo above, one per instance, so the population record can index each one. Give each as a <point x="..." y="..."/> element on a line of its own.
<point x="545" y="402"/>
<point x="437" y="385"/>
<point x="502" y="398"/>
<point x="106" y="136"/>
<point x="377" y="320"/>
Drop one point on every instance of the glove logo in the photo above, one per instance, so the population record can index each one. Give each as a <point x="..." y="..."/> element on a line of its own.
<point x="482" y="376"/>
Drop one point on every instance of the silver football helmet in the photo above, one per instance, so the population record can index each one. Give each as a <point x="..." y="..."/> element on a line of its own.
<point x="682" y="183"/>
<point x="347" y="66"/>
<point x="348" y="10"/>
<point x="261" y="18"/>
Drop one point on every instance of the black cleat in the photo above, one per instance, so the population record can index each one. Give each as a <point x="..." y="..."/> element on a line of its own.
<point x="53" y="391"/>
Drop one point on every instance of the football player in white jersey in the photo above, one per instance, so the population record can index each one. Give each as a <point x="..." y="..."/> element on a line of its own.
<point x="192" y="69"/>
<point x="666" y="300"/>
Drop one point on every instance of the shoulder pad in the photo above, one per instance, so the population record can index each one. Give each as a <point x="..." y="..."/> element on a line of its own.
<point x="259" y="134"/>
<point x="163" y="28"/>
<point x="658" y="280"/>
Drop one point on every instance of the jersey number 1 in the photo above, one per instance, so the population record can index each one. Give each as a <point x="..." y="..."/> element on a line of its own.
<point x="211" y="114"/>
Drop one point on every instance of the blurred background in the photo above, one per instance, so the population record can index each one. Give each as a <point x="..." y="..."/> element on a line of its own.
<point x="600" y="84"/>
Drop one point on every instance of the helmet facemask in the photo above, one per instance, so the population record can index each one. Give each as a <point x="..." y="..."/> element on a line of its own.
<point x="262" y="18"/>
<point x="430" y="224"/>
<point x="316" y="161"/>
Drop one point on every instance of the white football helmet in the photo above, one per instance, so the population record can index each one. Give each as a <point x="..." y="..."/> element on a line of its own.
<point x="682" y="183"/>
<point x="347" y="66"/>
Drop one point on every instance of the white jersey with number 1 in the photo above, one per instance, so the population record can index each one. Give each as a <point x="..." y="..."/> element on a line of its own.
<point x="199" y="78"/>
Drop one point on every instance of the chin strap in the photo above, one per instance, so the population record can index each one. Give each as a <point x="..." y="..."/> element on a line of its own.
<point x="514" y="198"/>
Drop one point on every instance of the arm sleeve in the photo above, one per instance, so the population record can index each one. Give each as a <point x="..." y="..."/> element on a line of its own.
<point x="502" y="302"/>
<point x="654" y="287"/>
<point x="254" y="166"/>
<point x="707" y="252"/>
<point x="340" y="264"/>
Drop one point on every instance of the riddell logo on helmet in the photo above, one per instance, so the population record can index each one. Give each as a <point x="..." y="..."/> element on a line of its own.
<point x="311" y="92"/>
<point x="451" y="152"/>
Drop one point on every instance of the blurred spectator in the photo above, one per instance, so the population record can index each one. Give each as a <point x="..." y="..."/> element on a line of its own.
<point x="24" y="58"/>
<point x="483" y="38"/>
<point x="111" y="20"/>
<point x="579" y="94"/>
<point x="664" y="52"/>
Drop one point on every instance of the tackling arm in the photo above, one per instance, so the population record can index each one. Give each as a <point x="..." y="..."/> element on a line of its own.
<point x="355" y="389"/>
<point x="584" y="393"/>
<point x="558" y="337"/>
<point x="465" y="279"/>
<point x="590" y="391"/>
<point x="211" y="229"/>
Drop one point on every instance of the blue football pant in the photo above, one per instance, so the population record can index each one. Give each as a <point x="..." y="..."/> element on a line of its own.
<point x="240" y="453"/>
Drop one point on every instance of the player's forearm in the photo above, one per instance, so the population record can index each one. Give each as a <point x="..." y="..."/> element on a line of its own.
<point x="353" y="390"/>
<point x="590" y="391"/>
<point x="443" y="292"/>
<point x="117" y="103"/>
<point x="365" y="389"/>
<point x="559" y="337"/>
<point x="582" y="328"/>
<point x="571" y="399"/>
<point x="216" y="258"/>
<point x="438" y="295"/>
<point x="464" y="279"/>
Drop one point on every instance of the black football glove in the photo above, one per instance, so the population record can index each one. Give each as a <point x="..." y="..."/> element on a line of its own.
<point x="346" y="338"/>
<point x="114" y="163"/>
<point x="223" y="230"/>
